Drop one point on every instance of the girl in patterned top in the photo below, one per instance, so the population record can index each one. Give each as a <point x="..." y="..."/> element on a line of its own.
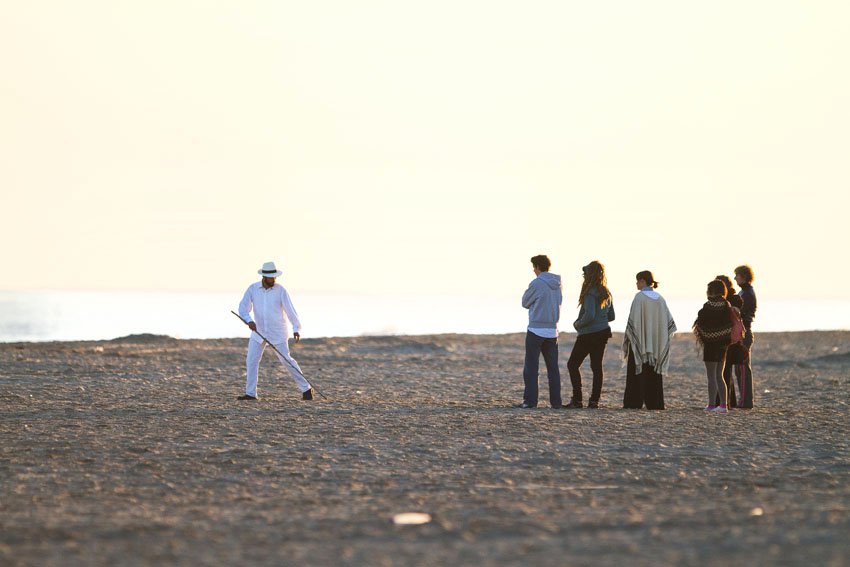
<point x="713" y="331"/>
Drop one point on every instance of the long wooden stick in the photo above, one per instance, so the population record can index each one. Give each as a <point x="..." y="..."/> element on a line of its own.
<point x="281" y="356"/>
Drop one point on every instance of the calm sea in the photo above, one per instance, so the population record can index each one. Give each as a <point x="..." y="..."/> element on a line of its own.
<point x="64" y="316"/>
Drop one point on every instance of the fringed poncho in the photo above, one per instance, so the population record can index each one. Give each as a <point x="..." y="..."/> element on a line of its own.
<point x="649" y="331"/>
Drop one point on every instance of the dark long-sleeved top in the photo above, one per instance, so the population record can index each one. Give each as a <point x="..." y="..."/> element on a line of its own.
<point x="713" y="329"/>
<point x="748" y="311"/>
<point x="591" y="317"/>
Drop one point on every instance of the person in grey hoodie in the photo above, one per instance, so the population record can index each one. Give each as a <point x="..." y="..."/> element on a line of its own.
<point x="543" y="301"/>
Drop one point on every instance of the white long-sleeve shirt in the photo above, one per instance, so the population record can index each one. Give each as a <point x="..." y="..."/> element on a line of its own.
<point x="273" y="312"/>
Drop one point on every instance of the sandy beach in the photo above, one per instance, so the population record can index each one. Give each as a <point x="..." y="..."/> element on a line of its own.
<point x="136" y="452"/>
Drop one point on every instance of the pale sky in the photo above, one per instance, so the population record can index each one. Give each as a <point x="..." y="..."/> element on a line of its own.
<point x="424" y="147"/>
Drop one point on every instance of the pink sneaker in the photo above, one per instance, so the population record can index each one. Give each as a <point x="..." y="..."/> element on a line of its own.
<point x="709" y="408"/>
<point x="720" y="409"/>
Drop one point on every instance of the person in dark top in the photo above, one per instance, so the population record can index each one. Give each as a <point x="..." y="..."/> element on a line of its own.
<point x="736" y="354"/>
<point x="744" y="277"/>
<point x="713" y="330"/>
<point x="592" y="326"/>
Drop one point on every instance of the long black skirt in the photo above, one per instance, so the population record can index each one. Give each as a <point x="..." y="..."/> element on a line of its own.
<point x="644" y="388"/>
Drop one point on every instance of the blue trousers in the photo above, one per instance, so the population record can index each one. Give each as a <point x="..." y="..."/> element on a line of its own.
<point x="746" y="377"/>
<point x="534" y="346"/>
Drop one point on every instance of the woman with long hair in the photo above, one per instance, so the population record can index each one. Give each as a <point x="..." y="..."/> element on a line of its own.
<point x="647" y="345"/>
<point x="592" y="326"/>
<point x="713" y="331"/>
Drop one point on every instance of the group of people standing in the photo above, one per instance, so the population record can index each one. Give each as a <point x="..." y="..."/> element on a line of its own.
<point x="646" y="346"/>
<point x="723" y="330"/>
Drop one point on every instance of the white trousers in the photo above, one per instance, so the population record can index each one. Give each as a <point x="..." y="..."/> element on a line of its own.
<point x="255" y="353"/>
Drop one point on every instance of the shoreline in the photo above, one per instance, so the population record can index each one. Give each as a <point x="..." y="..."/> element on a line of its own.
<point x="564" y="335"/>
<point x="51" y="317"/>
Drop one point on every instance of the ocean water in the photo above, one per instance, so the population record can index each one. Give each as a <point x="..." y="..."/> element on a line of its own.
<point x="65" y="316"/>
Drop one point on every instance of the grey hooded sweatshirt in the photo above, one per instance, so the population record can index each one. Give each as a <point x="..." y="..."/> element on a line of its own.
<point x="543" y="301"/>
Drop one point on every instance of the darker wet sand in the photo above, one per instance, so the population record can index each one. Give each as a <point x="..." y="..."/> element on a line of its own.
<point x="135" y="452"/>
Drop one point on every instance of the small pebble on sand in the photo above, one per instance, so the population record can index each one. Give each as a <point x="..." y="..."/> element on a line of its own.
<point x="411" y="519"/>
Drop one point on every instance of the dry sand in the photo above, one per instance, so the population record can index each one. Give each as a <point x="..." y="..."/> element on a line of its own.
<point x="136" y="452"/>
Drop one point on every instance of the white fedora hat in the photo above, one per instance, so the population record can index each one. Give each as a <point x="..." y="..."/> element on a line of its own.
<point x="269" y="270"/>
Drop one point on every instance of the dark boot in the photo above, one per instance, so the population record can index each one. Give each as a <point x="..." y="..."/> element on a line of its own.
<point x="575" y="403"/>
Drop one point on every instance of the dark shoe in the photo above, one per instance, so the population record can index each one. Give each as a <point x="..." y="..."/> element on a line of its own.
<point x="558" y="407"/>
<point x="592" y="405"/>
<point x="524" y="405"/>
<point x="308" y="395"/>
<point x="574" y="404"/>
<point x="247" y="397"/>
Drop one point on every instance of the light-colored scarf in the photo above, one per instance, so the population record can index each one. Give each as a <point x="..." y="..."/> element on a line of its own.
<point x="649" y="331"/>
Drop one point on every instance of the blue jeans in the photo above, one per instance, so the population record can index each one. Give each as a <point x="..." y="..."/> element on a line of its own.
<point x="747" y="389"/>
<point x="534" y="345"/>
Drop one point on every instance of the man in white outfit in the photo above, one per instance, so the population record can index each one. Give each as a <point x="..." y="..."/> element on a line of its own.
<point x="273" y="313"/>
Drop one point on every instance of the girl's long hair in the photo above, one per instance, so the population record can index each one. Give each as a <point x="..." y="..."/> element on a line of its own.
<point x="730" y="287"/>
<point x="594" y="277"/>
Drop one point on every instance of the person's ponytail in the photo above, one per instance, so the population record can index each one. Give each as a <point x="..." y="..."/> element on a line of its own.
<point x="646" y="276"/>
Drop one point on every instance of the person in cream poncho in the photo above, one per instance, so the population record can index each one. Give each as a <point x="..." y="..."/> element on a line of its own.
<point x="647" y="346"/>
